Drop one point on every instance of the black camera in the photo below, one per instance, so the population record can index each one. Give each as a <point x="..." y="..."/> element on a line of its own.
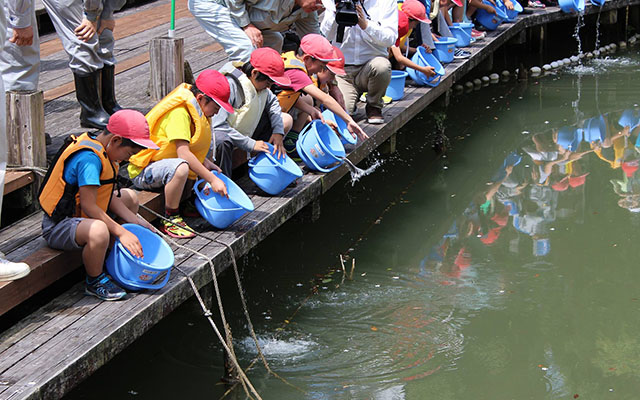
<point x="346" y="15"/>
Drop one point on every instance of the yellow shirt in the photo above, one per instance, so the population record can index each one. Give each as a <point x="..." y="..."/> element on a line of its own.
<point x="174" y="125"/>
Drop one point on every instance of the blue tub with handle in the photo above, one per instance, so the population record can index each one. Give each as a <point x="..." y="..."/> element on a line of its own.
<point x="491" y="21"/>
<point x="571" y="6"/>
<point x="463" y="34"/>
<point x="512" y="15"/>
<point x="319" y="147"/>
<point x="423" y="59"/>
<point x="445" y="49"/>
<point x="220" y="211"/>
<point x="594" y="129"/>
<point x="134" y="273"/>
<point x="569" y="138"/>
<point x="395" y="90"/>
<point x="345" y="135"/>
<point x="273" y="174"/>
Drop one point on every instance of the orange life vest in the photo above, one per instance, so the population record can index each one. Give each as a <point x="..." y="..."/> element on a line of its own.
<point x="200" y="139"/>
<point x="59" y="199"/>
<point x="288" y="97"/>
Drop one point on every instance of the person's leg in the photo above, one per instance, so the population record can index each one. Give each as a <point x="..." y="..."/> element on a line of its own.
<point x="84" y="60"/>
<point x="375" y="76"/>
<point x="108" y="89"/>
<point x="348" y="87"/>
<point x="224" y="152"/>
<point x="287" y="122"/>
<point x="93" y="236"/>
<point x="130" y="199"/>
<point x="273" y="39"/>
<point x="216" y="20"/>
<point x="20" y="65"/>
<point x="302" y="118"/>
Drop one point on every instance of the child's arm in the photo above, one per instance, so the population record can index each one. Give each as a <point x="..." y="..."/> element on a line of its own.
<point x="88" y="203"/>
<point x="183" y="151"/>
<point x="482" y="5"/>
<point x="336" y="93"/>
<point x="333" y="105"/>
<point x="428" y="71"/>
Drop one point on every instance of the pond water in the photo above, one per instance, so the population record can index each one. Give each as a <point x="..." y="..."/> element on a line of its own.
<point x="506" y="269"/>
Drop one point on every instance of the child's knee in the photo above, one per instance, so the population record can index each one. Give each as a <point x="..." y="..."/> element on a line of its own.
<point x="130" y="199"/>
<point x="287" y="121"/>
<point x="98" y="234"/>
<point x="182" y="172"/>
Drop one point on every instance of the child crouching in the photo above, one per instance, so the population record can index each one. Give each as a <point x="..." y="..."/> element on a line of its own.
<point x="78" y="191"/>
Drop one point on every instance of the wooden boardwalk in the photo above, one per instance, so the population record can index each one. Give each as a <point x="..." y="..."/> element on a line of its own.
<point x="47" y="353"/>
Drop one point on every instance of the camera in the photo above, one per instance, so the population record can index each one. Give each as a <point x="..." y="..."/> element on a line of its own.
<point x="346" y="15"/>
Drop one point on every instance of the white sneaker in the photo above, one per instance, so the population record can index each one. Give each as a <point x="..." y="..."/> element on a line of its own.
<point x="10" y="270"/>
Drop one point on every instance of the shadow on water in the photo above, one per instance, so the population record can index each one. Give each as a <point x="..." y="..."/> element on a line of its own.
<point x="503" y="269"/>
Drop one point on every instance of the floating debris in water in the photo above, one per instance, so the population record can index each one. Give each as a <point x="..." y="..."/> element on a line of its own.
<point x="298" y="284"/>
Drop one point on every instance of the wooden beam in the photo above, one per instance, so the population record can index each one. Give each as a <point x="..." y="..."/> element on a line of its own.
<point x="14" y="180"/>
<point x="25" y="129"/>
<point x="166" y="65"/>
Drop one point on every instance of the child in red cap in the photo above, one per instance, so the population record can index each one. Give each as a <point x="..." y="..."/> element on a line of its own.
<point x="258" y="118"/>
<point x="405" y="26"/>
<point x="312" y="57"/>
<point x="180" y="124"/>
<point x="77" y="195"/>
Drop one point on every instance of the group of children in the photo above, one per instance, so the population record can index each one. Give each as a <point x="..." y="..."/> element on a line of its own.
<point x="260" y="106"/>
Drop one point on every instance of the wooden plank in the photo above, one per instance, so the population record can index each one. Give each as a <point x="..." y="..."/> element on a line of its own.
<point x="28" y="228"/>
<point x="14" y="180"/>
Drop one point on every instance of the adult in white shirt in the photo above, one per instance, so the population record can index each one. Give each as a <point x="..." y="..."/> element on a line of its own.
<point x="365" y="47"/>
<point x="8" y="270"/>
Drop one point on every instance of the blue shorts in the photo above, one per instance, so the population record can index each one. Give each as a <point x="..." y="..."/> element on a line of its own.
<point x="157" y="174"/>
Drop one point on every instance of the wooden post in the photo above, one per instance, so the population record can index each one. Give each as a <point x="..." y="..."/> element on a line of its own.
<point x="610" y="17"/>
<point x="25" y="129"/>
<point x="389" y="146"/>
<point x="166" y="58"/>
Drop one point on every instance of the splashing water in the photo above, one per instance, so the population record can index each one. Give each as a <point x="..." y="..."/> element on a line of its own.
<point x="357" y="173"/>
<point x="576" y="33"/>
<point x="598" y="30"/>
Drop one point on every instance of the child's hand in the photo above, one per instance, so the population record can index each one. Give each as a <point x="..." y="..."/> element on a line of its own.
<point x="261" y="146"/>
<point x="491" y="10"/>
<point x="277" y="141"/>
<point x="218" y="186"/>
<point x="355" y="129"/>
<point x="427" y="48"/>
<point x="131" y="243"/>
<point x="428" y="71"/>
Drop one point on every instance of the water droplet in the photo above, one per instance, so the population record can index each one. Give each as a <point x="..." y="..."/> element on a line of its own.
<point x="377" y="285"/>
<point x="552" y="229"/>
<point x="396" y="277"/>
<point x="546" y="122"/>
<point x="445" y="167"/>
<point x="267" y="317"/>
<point x="298" y="284"/>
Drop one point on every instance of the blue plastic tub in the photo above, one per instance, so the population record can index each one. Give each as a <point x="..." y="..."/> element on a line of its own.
<point x="629" y="118"/>
<point x="597" y="3"/>
<point x="571" y="6"/>
<point x="220" y="211"/>
<point x="134" y="273"/>
<point x="569" y="138"/>
<point x="422" y="58"/>
<point x="462" y="34"/>
<point x="395" y="90"/>
<point x="491" y="21"/>
<point x="594" y="129"/>
<point x="271" y="174"/>
<point x="512" y="15"/>
<point x="445" y="49"/>
<point x="319" y="147"/>
<point x="345" y="135"/>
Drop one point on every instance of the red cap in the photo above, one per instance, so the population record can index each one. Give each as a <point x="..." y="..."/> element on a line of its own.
<point x="457" y="2"/>
<point x="132" y="125"/>
<point x="576" y="181"/>
<point x="403" y="26"/>
<point x="215" y="85"/>
<point x="415" y="10"/>
<point x="561" y="185"/>
<point x="337" y="67"/>
<point x="318" y="47"/>
<point x="269" y="62"/>
<point x="629" y="168"/>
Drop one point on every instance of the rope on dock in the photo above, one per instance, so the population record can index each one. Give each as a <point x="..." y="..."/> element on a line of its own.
<point x="242" y="298"/>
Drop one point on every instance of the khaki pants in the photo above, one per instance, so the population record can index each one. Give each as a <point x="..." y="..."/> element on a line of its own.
<point x="372" y="77"/>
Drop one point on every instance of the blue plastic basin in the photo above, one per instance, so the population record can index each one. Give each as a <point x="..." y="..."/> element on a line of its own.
<point x="423" y="58"/>
<point x="220" y="211"/>
<point x="319" y="147"/>
<point x="273" y="174"/>
<point x="445" y="49"/>
<point x="395" y="90"/>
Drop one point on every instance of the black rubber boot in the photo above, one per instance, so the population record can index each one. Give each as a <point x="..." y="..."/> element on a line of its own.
<point x="92" y="115"/>
<point x="109" y="102"/>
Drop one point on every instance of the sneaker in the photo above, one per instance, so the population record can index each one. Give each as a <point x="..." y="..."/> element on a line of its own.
<point x="176" y="228"/>
<point x="10" y="271"/>
<point x="103" y="288"/>
<point x="536" y="4"/>
<point x="290" y="140"/>
<point x="478" y="35"/>
<point x="374" y="115"/>
<point x="460" y="54"/>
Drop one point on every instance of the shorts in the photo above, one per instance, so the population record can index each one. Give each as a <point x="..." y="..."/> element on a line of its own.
<point x="61" y="236"/>
<point x="157" y="174"/>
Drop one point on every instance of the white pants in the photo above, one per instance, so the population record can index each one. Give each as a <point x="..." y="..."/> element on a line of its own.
<point x="84" y="57"/>
<point x="3" y="123"/>
<point x="20" y="65"/>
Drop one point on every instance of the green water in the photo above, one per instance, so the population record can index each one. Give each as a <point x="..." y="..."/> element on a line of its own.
<point x="466" y="285"/>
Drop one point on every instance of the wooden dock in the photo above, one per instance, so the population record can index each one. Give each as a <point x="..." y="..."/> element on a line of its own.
<point x="47" y="353"/>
